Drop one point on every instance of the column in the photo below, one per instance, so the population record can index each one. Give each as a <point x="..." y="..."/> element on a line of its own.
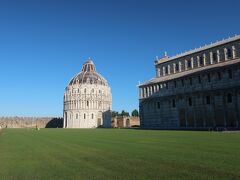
<point x="198" y="61"/>
<point x="186" y="67"/>
<point x="218" y="56"/>
<point x="147" y="91"/>
<point x="164" y="71"/>
<point x="157" y="87"/>
<point x="211" y="58"/>
<point x="192" y="65"/>
<point x="174" y="68"/>
<point x="140" y="93"/>
<point x="225" y="54"/>
<point x="204" y="59"/>
<point x="233" y="52"/>
<point x="158" y="72"/>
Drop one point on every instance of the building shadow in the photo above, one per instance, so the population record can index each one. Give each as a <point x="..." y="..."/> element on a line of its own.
<point x="55" y="123"/>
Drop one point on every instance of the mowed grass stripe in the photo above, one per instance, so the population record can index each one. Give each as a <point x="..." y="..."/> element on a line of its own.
<point x="118" y="154"/>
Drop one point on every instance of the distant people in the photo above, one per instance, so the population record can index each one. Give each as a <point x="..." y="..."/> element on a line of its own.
<point x="37" y="128"/>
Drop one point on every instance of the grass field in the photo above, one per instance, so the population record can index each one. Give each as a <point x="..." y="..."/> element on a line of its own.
<point x="118" y="154"/>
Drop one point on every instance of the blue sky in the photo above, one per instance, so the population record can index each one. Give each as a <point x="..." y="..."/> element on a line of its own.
<point x="43" y="44"/>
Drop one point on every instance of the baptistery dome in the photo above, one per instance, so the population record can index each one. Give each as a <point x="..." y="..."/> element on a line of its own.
<point x="88" y="75"/>
<point x="87" y="100"/>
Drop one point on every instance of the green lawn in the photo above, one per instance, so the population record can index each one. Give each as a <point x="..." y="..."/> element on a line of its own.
<point x="118" y="154"/>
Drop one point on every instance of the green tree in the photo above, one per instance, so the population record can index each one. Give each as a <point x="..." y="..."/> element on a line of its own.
<point x="135" y="113"/>
<point x="114" y="113"/>
<point x="123" y="113"/>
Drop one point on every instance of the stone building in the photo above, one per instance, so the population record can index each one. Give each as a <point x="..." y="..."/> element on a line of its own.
<point x="125" y="122"/>
<point x="197" y="89"/>
<point x="87" y="100"/>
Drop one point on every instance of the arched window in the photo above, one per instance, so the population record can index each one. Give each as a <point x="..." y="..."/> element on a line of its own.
<point x="199" y="79"/>
<point x="92" y="116"/>
<point x="229" y="53"/>
<point x="201" y="60"/>
<point x="208" y="99"/>
<point x="84" y="116"/>
<point x="214" y="57"/>
<point x="87" y="103"/>
<point x="177" y="67"/>
<point x="189" y="63"/>
<point x="219" y="75"/>
<point x="229" y="98"/>
<point x="230" y="74"/>
<point x="173" y="103"/>
<point x="182" y="80"/>
<point x="166" y="70"/>
<point x="190" y="101"/>
<point x="77" y="116"/>
<point x="190" y="81"/>
<point x="85" y="90"/>
<point x="209" y="77"/>
<point x="166" y="85"/>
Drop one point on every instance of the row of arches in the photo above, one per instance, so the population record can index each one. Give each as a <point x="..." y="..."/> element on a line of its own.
<point x="195" y="61"/>
<point x="91" y="104"/>
<point x="82" y="119"/>
<point x="218" y="77"/>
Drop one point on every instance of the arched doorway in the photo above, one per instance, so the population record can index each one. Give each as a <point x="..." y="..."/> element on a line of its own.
<point x="99" y="120"/>
<point x="128" y="123"/>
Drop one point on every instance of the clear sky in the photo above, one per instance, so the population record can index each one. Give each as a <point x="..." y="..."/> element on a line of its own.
<point x="43" y="44"/>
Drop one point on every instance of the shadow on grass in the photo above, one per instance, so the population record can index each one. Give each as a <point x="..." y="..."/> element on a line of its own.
<point x="55" y="123"/>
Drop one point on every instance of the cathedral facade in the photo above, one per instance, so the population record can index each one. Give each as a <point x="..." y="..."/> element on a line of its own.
<point x="87" y="100"/>
<point x="198" y="89"/>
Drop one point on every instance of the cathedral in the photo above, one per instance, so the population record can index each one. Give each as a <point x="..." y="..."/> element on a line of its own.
<point x="197" y="89"/>
<point x="87" y="100"/>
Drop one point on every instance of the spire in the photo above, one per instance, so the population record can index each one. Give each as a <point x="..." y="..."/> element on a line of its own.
<point x="165" y="54"/>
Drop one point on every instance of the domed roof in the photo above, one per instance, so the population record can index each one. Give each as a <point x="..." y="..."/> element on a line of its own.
<point x="88" y="75"/>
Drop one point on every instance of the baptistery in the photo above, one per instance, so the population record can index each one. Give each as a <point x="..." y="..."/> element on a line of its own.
<point x="87" y="100"/>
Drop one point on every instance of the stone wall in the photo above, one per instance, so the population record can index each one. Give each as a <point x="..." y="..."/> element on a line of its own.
<point x="125" y="122"/>
<point x="31" y="122"/>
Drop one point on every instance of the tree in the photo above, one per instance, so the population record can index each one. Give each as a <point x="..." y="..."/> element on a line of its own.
<point x="135" y="113"/>
<point x="114" y="113"/>
<point x="123" y="113"/>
